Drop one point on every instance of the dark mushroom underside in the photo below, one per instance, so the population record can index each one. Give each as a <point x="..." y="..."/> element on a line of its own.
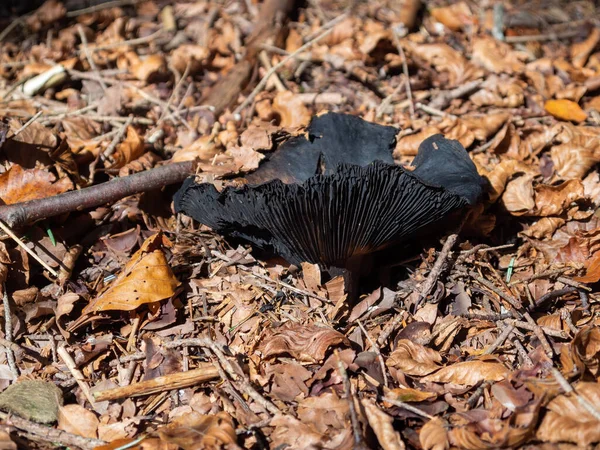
<point x="328" y="219"/>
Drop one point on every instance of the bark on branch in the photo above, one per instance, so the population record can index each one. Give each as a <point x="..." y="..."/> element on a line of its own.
<point x="19" y="214"/>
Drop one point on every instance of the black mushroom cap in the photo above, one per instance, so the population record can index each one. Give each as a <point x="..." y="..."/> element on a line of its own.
<point x="335" y="218"/>
<point x="330" y="139"/>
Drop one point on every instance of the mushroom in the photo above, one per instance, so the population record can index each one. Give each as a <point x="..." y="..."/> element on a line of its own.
<point x="339" y="217"/>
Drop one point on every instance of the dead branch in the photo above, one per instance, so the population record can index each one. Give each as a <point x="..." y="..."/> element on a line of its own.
<point x="20" y="214"/>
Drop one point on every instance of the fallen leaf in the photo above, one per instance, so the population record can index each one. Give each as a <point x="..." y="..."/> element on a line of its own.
<point x="146" y="278"/>
<point x="130" y="149"/>
<point x="434" y="435"/>
<point x="580" y="51"/>
<point x="381" y="424"/>
<point x="445" y="59"/>
<point x="469" y="373"/>
<point x="197" y="431"/>
<point x="326" y="413"/>
<point x="189" y="54"/>
<point x="78" y="420"/>
<point x="19" y="185"/>
<point x="454" y="16"/>
<point x="568" y="421"/>
<point x="565" y="110"/>
<point x="518" y="195"/>
<point x="291" y="110"/>
<point x="414" y="359"/>
<point x="304" y="342"/>
<point x="554" y="200"/>
<point x="496" y="56"/>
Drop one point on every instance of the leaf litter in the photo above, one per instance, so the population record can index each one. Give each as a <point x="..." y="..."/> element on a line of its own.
<point x="159" y="332"/>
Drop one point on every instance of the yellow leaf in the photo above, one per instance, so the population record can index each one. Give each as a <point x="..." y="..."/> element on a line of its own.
<point x="564" y="109"/>
<point x="146" y="278"/>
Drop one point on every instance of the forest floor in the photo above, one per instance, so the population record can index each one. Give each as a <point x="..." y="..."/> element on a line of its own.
<point x="125" y="325"/>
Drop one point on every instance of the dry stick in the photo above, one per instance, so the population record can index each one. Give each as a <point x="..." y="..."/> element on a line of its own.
<point x="180" y="380"/>
<point x="584" y="402"/>
<point x="390" y="328"/>
<point x="26" y="124"/>
<point x="264" y="59"/>
<point x="116" y="140"/>
<point x="433" y="111"/>
<point x="15" y="238"/>
<point x="77" y="375"/>
<point x="522" y="352"/>
<point x="90" y="58"/>
<point x="130" y="42"/>
<point x="101" y="6"/>
<point x="549" y="331"/>
<point x="408" y="407"/>
<point x="10" y="356"/>
<point x="375" y="348"/>
<point x="516" y="304"/>
<point x="502" y="337"/>
<point x="328" y="29"/>
<point x="444" y="98"/>
<point x="19" y="214"/>
<point x="50" y="435"/>
<point x="350" y="398"/>
<point x="438" y="266"/>
<point x="405" y="71"/>
<point x="541" y="37"/>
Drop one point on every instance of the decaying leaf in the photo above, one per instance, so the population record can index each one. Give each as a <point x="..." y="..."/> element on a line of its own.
<point x="78" y="420"/>
<point x="469" y="373"/>
<point x="146" y="278"/>
<point x="564" y="109"/>
<point x="197" y="431"/>
<point x="567" y="420"/>
<point x="303" y="342"/>
<point x="381" y="424"/>
<point x="414" y="359"/>
<point x="21" y="185"/>
<point x="434" y="435"/>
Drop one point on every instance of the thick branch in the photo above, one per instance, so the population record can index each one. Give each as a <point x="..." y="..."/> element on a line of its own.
<point x="19" y="214"/>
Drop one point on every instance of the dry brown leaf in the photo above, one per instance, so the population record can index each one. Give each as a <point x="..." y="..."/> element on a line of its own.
<point x="485" y="125"/>
<point x="500" y="173"/>
<point x="146" y="278"/>
<point x="325" y="413"/>
<point x="305" y="342"/>
<point x="454" y="16"/>
<point x="496" y="56"/>
<point x="544" y="228"/>
<point x="554" y="200"/>
<point x="245" y="158"/>
<point x="592" y="273"/>
<point x="568" y="421"/>
<point x="382" y="425"/>
<point x="445" y="59"/>
<point x="6" y="443"/>
<point x="571" y="161"/>
<point x="580" y="51"/>
<point x="189" y="54"/>
<point x="78" y="420"/>
<point x="259" y="137"/>
<point x="564" y="109"/>
<point x="144" y="69"/>
<point x="409" y="145"/>
<point x="414" y="359"/>
<point x="194" y="431"/>
<point x="51" y="11"/>
<point x="469" y="373"/>
<point x="130" y="149"/>
<point x="518" y="195"/>
<point x="434" y="436"/>
<point x="292" y="434"/>
<point x="18" y="185"/>
<point x="502" y="92"/>
<point x="291" y="110"/>
<point x="586" y="348"/>
<point x="409" y="395"/>
<point x="311" y="275"/>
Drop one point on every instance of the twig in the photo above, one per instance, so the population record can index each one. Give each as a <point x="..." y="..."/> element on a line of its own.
<point x="15" y="238"/>
<point x="50" y="435"/>
<point x="549" y="331"/>
<point x="10" y="27"/>
<point x="516" y="304"/>
<point x="19" y="214"/>
<point x="566" y="386"/>
<point x="502" y="337"/>
<point x="90" y="58"/>
<point x="445" y="97"/>
<point x="474" y="398"/>
<point x="130" y="42"/>
<point x="527" y="362"/>
<point x="350" y="398"/>
<point x="389" y="328"/>
<point x="101" y="6"/>
<point x="408" y="407"/>
<point x="438" y="266"/>
<point x="554" y="294"/>
<point x="116" y="140"/>
<point x="542" y="37"/>
<point x="262" y="56"/>
<point x="10" y="356"/>
<point x="433" y="111"/>
<point x="328" y="28"/>
<point x="26" y="124"/>
<point x="375" y="348"/>
<point x="405" y="71"/>
<point x="77" y="375"/>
